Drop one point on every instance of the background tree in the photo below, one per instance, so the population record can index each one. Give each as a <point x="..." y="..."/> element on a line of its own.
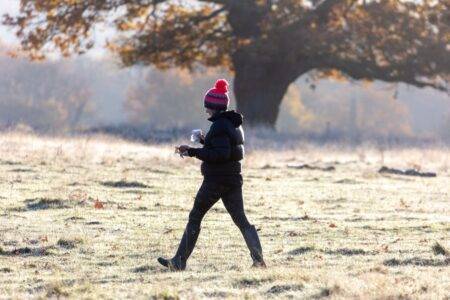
<point x="46" y="96"/>
<point x="167" y="99"/>
<point x="267" y="44"/>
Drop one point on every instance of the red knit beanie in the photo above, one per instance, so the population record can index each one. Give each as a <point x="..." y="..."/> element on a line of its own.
<point x="217" y="97"/>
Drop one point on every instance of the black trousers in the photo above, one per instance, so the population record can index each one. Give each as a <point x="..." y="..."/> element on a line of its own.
<point x="227" y="188"/>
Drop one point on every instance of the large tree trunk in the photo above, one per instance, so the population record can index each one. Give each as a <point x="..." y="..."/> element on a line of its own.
<point x="259" y="89"/>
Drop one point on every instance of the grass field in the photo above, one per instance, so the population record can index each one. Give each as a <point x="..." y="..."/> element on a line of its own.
<point x="87" y="218"/>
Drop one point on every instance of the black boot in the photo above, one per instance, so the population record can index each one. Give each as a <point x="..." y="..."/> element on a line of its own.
<point x="187" y="244"/>
<point x="254" y="245"/>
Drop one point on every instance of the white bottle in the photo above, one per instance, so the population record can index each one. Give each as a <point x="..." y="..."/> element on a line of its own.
<point x="196" y="135"/>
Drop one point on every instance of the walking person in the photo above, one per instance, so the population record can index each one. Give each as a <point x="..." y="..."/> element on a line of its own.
<point x="221" y="155"/>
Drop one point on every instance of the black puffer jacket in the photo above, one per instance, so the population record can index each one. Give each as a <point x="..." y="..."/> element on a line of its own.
<point x="223" y="147"/>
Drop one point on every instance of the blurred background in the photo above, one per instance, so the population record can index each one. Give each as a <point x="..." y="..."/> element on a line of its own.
<point x="94" y="93"/>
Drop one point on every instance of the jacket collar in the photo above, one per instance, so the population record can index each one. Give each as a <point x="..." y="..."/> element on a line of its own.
<point x="216" y="116"/>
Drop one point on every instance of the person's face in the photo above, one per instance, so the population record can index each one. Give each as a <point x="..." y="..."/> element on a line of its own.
<point x="209" y="111"/>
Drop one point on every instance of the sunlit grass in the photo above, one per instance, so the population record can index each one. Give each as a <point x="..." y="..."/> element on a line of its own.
<point x="346" y="233"/>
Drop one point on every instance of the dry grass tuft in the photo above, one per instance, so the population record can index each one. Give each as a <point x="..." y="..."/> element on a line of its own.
<point x="438" y="249"/>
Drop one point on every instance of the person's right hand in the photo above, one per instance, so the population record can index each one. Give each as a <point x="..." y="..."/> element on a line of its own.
<point x="183" y="148"/>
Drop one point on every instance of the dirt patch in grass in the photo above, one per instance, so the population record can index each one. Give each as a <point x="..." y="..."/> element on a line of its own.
<point x="139" y="192"/>
<point x="251" y="282"/>
<point x="143" y="269"/>
<point x="93" y="223"/>
<point x="342" y="251"/>
<point x="157" y="171"/>
<point x="45" y="203"/>
<point x="417" y="261"/>
<point x="49" y="203"/>
<point x="124" y="184"/>
<point x="301" y="250"/>
<point x="310" y="167"/>
<point x="278" y="289"/>
<point x="217" y="294"/>
<point x="409" y="172"/>
<point x="170" y="207"/>
<point x="22" y="170"/>
<point x="219" y="210"/>
<point x="326" y="292"/>
<point x="9" y="163"/>
<point x="74" y="219"/>
<point x="5" y="270"/>
<point x="69" y="243"/>
<point x="348" y="252"/>
<point x="287" y="219"/>
<point x="269" y="167"/>
<point x="347" y="181"/>
<point x="56" y="291"/>
<point x="165" y="296"/>
<point x="106" y="264"/>
<point x="27" y="251"/>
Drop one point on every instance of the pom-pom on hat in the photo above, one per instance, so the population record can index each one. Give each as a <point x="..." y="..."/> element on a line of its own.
<point x="217" y="97"/>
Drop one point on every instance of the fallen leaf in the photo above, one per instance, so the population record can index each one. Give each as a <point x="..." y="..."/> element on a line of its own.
<point x="403" y="204"/>
<point x="98" y="204"/>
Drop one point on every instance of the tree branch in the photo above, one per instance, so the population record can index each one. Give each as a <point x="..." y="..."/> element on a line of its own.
<point x="367" y="70"/>
<point x="210" y="16"/>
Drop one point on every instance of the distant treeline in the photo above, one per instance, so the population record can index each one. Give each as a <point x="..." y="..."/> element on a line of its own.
<point x="78" y="94"/>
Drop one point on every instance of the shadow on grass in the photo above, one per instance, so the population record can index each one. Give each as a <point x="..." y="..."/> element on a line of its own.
<point x="417" y="261"/>
<point x="124" y="184"/>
